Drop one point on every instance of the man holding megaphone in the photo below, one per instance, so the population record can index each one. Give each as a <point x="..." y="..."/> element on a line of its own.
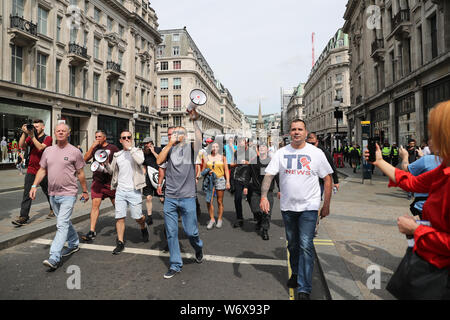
<point x="102" y="152"/>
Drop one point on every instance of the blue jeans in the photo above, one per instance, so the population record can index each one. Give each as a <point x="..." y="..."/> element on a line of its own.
<point x="300" y="227"/>
<point x="63" y="207"/>
<point x="188" y="210"/>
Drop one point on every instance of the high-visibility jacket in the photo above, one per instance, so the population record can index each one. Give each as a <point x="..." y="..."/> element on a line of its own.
<point x="395" y="151"/>
<point x="386" y="151"/>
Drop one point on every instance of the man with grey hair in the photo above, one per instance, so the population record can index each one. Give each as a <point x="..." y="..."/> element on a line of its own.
<point x="62" y="163"/>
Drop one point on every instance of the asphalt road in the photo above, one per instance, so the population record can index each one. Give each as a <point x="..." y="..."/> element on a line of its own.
<point x="238" y="264"/>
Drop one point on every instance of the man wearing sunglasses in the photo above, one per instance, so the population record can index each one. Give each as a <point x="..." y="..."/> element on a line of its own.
<point x="128" y="179"/>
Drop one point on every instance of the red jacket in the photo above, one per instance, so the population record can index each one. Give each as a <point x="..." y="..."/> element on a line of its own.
<point x="431" y="243"/>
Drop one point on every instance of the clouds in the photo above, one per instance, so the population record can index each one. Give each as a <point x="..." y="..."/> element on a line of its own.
<point x="255" y="47"/>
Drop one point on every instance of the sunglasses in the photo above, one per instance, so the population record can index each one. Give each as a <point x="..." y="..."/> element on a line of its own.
<point x="126" y="138"/>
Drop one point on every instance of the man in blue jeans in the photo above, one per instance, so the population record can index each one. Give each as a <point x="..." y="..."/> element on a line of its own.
<point x="62" y="163"/>
<point x="299" y="165"/>
<point x="178" y="160"/>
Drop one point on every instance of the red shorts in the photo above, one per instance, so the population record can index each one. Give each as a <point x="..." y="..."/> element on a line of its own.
<point x="103" y="191"/>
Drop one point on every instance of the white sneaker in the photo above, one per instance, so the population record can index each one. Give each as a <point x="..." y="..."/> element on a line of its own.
<point x="219" y="224"/>
<point x="211" y="224"/>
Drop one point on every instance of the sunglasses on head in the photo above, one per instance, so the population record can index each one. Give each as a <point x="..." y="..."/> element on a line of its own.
<point x="126" y="138"/>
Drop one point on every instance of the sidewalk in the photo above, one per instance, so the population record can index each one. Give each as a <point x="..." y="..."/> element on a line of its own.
<point x="10" y="235"/>
<point x="362" y="227"/>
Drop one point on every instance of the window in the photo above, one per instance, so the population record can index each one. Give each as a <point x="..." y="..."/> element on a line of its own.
<point x="165" y="122"/>
<point x="160" y="51"/>
<point x="72" y="80"/>
<point x="74" y="2"/>
<point x="85" y="83"/>
<point x="377" y="78"/>
<point x="96" y="48"/>
<point x="86" y="7"/>
<point x="109" y="91"/>
<point x="17" y="8"/>
<point x="177" y="103"/>
<point x="73" y="35"/>
<point x="176" y="51"/>
<point x="58" y="75"/>
<point x="177" y="65"/>
<point x="42" y="20"/>
<point x="164" y="103"/>
<point x="176" y="37"/>
<point x="177" y="121"/>
<point x="142" y="97"/>
<point x="143" y="69"/>
<point x="119" y="94"/>
<point x="121" y="30"/>
<point x="420" y="43"/>
<point x="339" y="59"/>
<point x="392" y="65"/>
<point x="16" y="64"/>
<point x="41" y="68"/>
<point x="96" y="81"/>
<point x="164" y="84"/>
<point x="85" y="40"/>
<point x="109" y="24"/>
<point x="434" y="44"/>
<point x="221" y="111"/>
<point x="109" y="53"/>
<point x="58" y="28"/>
<point x="339" y="78"/>
<point x="120" y="58"/>
<point x="164" y="65"/>
<point x="97" y="14"/>
<point x="177" y="83"/>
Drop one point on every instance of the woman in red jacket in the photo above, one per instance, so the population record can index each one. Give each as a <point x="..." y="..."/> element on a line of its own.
<point x="431" y="243"/>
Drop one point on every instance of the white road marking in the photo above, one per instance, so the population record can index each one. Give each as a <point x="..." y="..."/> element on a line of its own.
<point x="148" y="252"/>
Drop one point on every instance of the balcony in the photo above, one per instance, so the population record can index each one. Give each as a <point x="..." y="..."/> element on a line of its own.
<point x="401" y="24"/>
<point x="113" y="70"/>
<point x="378" y="50"/>
<point x="24" y="32"/>
<point x="77" y="54"/>
<point x="145" y="109"/>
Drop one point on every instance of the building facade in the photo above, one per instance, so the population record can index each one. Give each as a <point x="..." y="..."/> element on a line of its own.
<point x="295" y="108"/>
<point x="285" y="95"/>
<point x="400" y="65"/>
<point x="328" y="87"/>
<point x="90" y="63"/>
<point x="182" y="68"/>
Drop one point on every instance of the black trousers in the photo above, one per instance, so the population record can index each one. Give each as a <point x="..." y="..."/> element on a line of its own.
<point x="238" y="191"/>
<point x="262" y="218"/>
<point x="26" y="200"/>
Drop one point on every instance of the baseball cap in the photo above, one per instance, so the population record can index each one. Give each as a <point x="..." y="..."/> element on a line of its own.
<point x="147" y="140"/>
<point x="209" y="140"/>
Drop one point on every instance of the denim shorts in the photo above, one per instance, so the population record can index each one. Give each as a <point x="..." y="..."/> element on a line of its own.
<point x="220" y="183"/>
<point x="131" y="199"/>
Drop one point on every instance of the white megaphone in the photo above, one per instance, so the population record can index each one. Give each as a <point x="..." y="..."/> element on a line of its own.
<point x="97" y="166"/>
<point x="101" y="155"/>
<point x="154" y="177"/>
<point x="198" y="98"/>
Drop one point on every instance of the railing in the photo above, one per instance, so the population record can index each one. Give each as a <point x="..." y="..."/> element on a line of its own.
<point x="164" y="109"/>
<point x="145" y="109"/>
<point x="78" y="50"/>
<point x="401" y="17"/>
<point x="111" y="65"/>
<point x="176" y="108"/>
<point x="377" y="44"/>
<point x="24" y="25"/>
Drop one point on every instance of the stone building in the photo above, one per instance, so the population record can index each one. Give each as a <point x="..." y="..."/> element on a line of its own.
<point x="295" y="108"/>
<point x="327" y="88"/>
<point x="400" y="65"/>
<point x="182" y="68"/>
<point x="88" y="62"/>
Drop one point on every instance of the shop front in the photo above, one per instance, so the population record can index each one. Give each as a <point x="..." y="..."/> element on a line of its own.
<point x="78" y="122"/>
<point x="14" y="114"/>
<point x="405" y="117"/>
<point x="141" y="131"/>
<point x="438" y="91"/>
<point x="380" y="123"/>
<point x="113" y="127"/>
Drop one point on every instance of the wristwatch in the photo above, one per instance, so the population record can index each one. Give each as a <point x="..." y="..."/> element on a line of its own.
<point x="34" y="186"/>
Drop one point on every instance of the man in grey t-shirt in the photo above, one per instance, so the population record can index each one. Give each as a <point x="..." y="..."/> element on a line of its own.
<point x="178" y="160"/>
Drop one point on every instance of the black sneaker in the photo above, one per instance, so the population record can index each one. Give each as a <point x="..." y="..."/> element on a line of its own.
<point x="90" y="236"/>
<point x="265" y="235"/>
<point x="21" y="221"/>
<point x="119" y="248"/>
<point x="238" y="224"/>
<point x="145" y="235"/>
<point x="199" y="256"/>
<point x="169" y="274"/>
<point x="68" y="251"/>
<point x="149" y="220"/>
<point x="303" y="296"/>
<point x="53" y="265"/>
<point x="292" y="282"/>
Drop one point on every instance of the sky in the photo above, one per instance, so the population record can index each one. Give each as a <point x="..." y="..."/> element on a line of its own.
<point x="256" y="47"/>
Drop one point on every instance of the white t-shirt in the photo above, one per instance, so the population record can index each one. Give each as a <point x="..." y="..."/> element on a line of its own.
<point x="125" y="177"/>
<point x="299" y="170"/>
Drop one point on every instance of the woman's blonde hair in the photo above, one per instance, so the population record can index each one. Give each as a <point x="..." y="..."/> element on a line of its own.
<point x="439" y="127"/>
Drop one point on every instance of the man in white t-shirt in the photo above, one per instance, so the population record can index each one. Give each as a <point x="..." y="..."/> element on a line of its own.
<point x="299" y="165"/>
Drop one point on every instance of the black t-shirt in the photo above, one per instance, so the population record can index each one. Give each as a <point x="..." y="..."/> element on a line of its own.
<point x="103" y="177"/>
<point x="150" y="159"/>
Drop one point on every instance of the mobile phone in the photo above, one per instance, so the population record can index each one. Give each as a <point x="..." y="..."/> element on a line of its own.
<point x="372" y="149"/>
